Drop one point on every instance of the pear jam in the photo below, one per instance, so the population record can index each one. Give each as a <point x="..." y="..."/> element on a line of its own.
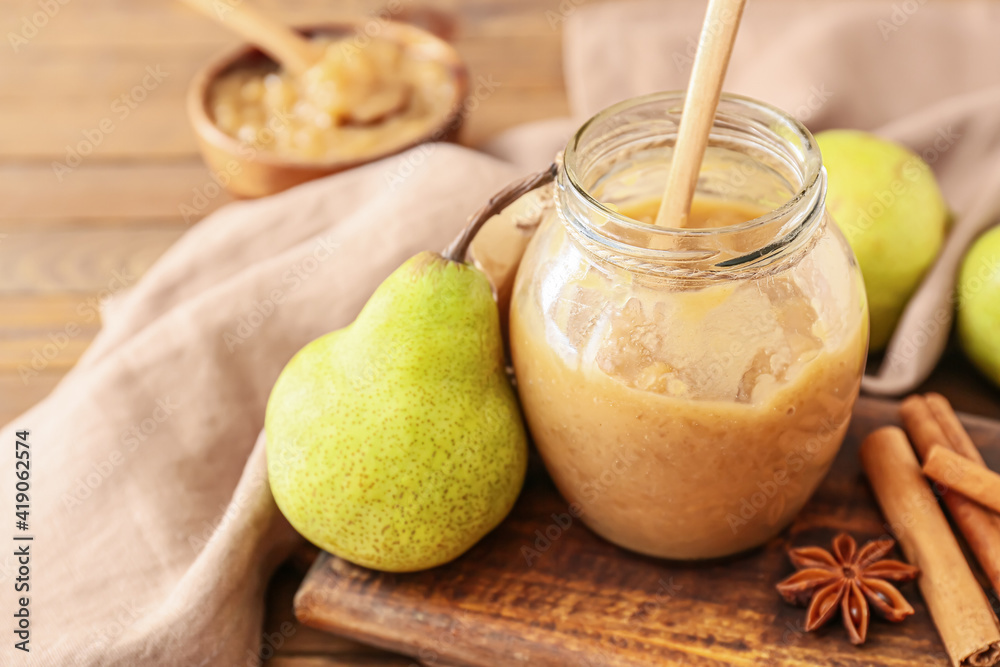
<point x="689" y="388"/>
<point x="356" y="102"/>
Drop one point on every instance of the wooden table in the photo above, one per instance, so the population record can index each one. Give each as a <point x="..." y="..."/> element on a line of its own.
<point x="69" y="238"/>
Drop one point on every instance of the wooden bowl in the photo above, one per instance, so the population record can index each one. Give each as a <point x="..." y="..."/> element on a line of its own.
<point x="248" y="172"/>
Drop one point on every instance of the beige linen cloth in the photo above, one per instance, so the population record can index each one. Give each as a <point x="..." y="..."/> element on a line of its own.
<point x="155" y="533"/>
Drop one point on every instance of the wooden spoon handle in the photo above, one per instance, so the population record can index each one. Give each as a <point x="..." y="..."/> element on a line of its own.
<point x="715" y="45"/>
<point x="295" y="53"/>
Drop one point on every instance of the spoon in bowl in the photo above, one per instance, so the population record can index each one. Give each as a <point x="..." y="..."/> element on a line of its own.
<point x="297" y="54"/>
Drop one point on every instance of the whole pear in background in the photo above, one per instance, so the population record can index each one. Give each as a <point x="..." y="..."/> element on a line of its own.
<point x="979" y="304"/>
<point x="397" y="442"/>
<point x="886" y="201"/>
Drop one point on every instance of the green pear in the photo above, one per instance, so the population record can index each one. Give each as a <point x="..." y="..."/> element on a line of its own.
<point x="397" y="442"/>
<point x="979" y="304"/>
<point x="886" y="201"/>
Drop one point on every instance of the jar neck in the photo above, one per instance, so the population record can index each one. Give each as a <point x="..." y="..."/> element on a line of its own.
<point x="758" y="157"/>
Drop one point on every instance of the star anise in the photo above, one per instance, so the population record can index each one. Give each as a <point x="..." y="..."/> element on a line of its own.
<point x="848" y="579"/>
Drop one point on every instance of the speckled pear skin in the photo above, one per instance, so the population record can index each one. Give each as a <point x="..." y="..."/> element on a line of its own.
<point x="397" y="442"/>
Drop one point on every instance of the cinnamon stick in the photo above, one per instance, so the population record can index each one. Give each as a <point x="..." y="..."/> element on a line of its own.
<point x="927" y="420"/>
<point x="958" y="438"/>
<point x="972" y="480"/>
<point x="957" y="604"/>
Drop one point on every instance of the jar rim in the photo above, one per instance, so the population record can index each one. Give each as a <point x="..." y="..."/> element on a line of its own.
<point x="811" y="177"/>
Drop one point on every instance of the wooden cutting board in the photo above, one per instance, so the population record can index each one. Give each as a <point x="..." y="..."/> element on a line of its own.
<point x="583" y="601"/>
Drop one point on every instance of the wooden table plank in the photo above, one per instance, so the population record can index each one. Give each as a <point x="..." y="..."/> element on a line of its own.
<point x="79" y="72"/>
<point x="73" y="126"/>
<point x="99" y="22"/>
<point x="41" y="338"/>
<point x="80" y="260"/>
<point x="54" y="352"/>
<point x="83" y="129"/>
<point x="379" y="659"/>
<point x="288" y="643"/>
<point x="104" y="194"/>
<point x="16" y="395"/>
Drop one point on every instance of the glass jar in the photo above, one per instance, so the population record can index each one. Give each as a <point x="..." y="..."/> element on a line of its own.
<point x="688" y="388"/>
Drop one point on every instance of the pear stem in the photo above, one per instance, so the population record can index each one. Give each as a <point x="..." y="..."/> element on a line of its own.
<point x="460" y="246"/>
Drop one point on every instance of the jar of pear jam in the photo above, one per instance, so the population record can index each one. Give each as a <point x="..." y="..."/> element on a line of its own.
<point x="688" y="388"/>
